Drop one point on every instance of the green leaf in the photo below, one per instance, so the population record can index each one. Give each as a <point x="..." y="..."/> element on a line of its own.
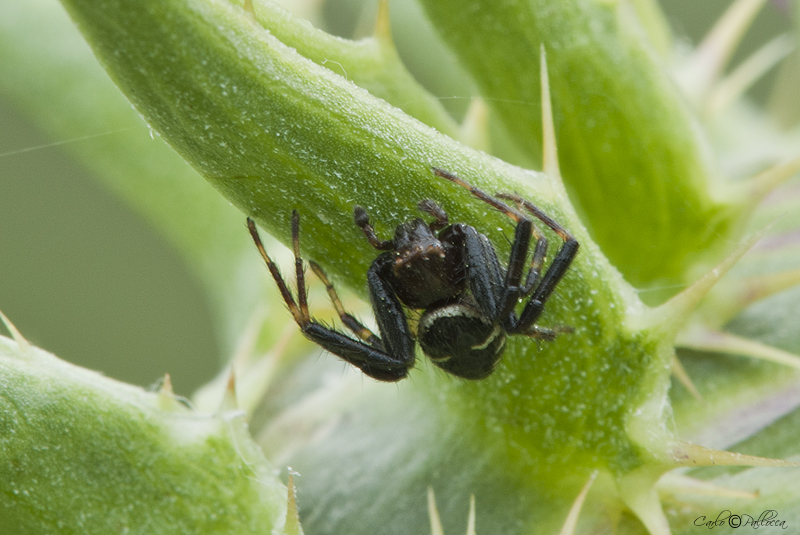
<point x="776" y="489"/>
<point x="50" y="73"/>
<point x="632" y="153"/>
<point x="81" y="453"/>
<point x="274" y="131"/>
<point x="371" y="63"/>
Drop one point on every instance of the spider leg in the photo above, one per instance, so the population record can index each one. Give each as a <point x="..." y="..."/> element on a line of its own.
<point x="496" y="291"/>
<point x="485" y="197"/>
<point x="543" y="333"/>
<point x="537" y="261"/>
<point x="389" y="314"/>
<point x="500" y="307"/>
<point x="541" y="216"/>
<point x="534" y="308"/>
<point x="348" y="319"/>
<point x="436" y="211"/>
<point x="300" y="271"/>
<point x="372" y="360"/>
<point x="299" y="318"/>
<point x="541" y="292"/>
<point x="485" y="275"/>
<point x="362" y="220"/>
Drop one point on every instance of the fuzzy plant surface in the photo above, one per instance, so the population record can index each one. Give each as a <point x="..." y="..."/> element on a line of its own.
<point x="667" y="177"/>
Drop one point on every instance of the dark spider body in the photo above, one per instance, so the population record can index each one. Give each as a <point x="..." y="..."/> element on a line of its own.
<point x="424" y="268"/>
<point x="452" y="273"/>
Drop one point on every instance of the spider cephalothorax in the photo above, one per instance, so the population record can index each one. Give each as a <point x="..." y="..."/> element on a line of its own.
<point x="452" y="274"/>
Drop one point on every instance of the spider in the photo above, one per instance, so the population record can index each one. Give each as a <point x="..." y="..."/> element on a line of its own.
<point x="452" y="273"/>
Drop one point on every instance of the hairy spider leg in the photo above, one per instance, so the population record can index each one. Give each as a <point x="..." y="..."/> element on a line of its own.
<point x="362" y="220"/>
<point x="537" y="261"/>
<point x="300" y="272"/>
<point x="554" y="273"/>
<point x="485" y="197"/>
<point x="276" y="274"/>
<point x="373" y="361"/>
<point x="543" y="333"/>
<point x="484" y="272"/>
<point x="512" y="290"/>
<point x="396" y="335"/>
<point x="348" y="319"/>
<point x="541" y="216"/>
<point x="440" y="221"/>
<point x="535" y="306"/>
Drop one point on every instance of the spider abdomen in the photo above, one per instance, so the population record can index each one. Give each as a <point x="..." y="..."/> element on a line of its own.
<point x="461" y="340"/>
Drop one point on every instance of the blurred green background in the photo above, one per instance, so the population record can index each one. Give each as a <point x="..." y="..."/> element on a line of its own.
<point x="86" y="278"/>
